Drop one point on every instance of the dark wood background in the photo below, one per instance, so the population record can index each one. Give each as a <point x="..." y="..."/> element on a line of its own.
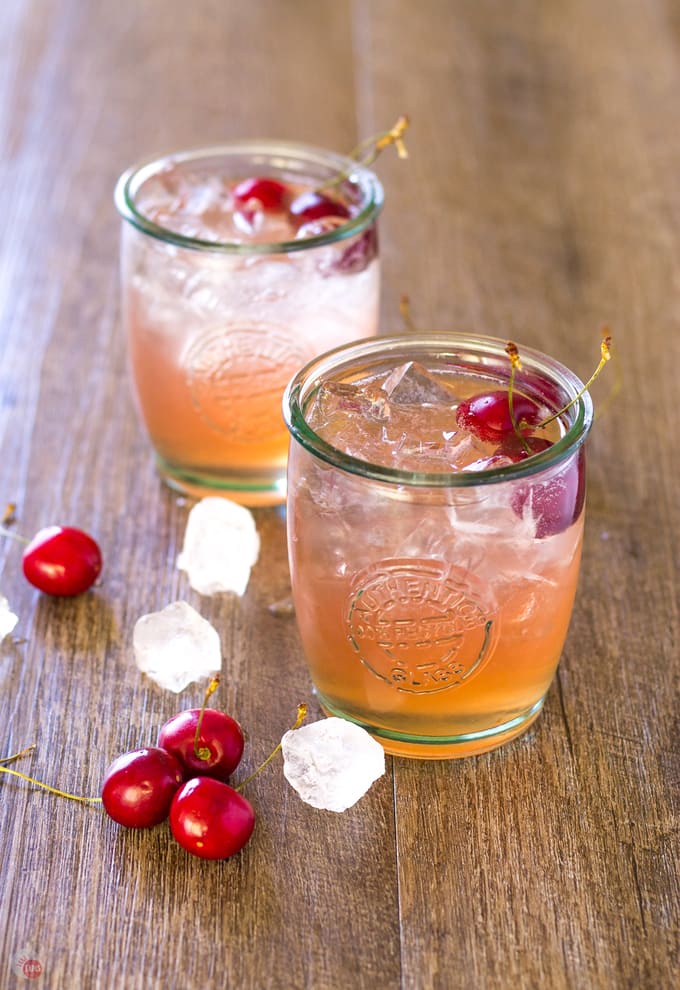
<point x="541" y="201"/>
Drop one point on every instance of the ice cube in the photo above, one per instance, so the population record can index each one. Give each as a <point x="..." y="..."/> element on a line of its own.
<point x="331" y="763"/>
<point x="221" y="544"/>
<point x="176" y="646"/>
<point x="159" y="197"/>
<point x="8" y="619"/>
<point x="322" y="225"/>
<point x="349" y="417"/>
<point x="343" y="397"/>
<point x="201" y="198"/>
<point x="413" y="385"/>
<point x="250" y="218"/>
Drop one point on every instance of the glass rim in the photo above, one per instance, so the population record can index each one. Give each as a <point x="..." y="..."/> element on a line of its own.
<point x="132" y="178"/>
<point x="318" y="369"/>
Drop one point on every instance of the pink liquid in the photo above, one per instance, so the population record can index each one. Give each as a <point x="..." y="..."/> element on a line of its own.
<point x="214" y="338"/>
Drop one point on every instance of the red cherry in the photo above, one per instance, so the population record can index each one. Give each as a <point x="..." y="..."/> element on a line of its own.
<point x="139" y="787"/>
<point x="359" y="253"/>
<point x="312" y="205"/>
<point x="488" y="415"/>
<point x="269" y="192"/>
<point x="61" y="560"/>
<point x="555" y="503"/>
<point x="516" y="449"/>
<point x="220" y="735"/>
<point x="210" y="819"/>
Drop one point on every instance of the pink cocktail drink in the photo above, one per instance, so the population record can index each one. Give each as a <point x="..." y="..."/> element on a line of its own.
<point x="435" y="536"/>
<point x="239" y="264"/>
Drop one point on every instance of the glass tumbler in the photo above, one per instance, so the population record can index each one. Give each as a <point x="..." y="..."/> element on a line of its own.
<point x="220" y="312"/>
<point x="433" y="603"/>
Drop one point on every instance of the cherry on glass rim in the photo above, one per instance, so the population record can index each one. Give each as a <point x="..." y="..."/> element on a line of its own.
<point x="62" y="560"/>
<point x="219" y="743"/>
<point x="210" y="819"/>
<point x="139" y="786"/>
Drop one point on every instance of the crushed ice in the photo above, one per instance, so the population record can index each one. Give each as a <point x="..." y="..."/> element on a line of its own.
<point x="8" y="619"/>
<point x="176" y="646"/>
<point x="221" y="544"/>
<point x="331" y="763"/>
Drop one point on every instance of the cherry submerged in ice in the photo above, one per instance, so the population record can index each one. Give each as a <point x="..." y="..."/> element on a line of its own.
<point x="257" y="208"/>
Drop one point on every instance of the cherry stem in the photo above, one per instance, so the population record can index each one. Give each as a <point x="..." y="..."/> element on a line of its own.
<point x="46" y="787"/>
<point x="13" y="535"/>
<point x="605" y="355"/>
<point x="301" y="715"/>
<point x="371" y="147"/>
<point x="18" y="756"/>
<point x="614" y="391"/>
<point x="367" y="151"/>
<point x="515" y="365"/>
<point x="405" y="312"/>
<point x="202" y="752"/>
<point x="9" y="514"/>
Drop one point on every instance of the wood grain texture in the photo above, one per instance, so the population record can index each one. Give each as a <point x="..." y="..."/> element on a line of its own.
<point x="540" y="201"/>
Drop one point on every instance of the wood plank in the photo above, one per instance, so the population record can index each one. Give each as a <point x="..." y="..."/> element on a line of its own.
<point x="540" y="206"/>
<point x="540" y="200"/>
<point x="99" y="86"/>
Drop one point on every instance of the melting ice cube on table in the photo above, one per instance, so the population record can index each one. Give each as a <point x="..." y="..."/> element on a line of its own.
<point x="8" y="619"/>
<point x="331" y="763"/>
<point x="176" y="646"/>
<point x="221" y="544"/>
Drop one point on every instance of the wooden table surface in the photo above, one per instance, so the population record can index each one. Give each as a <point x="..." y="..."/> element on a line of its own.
<point x="541" y="200"/>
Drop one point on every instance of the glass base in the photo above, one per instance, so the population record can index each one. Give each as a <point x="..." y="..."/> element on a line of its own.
<point x="256" y="490"/>
<point x="444" y="747"/>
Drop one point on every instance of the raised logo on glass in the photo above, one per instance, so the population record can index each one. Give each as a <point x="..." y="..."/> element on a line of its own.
<point x="421" y="626"/>
<point x="235" y="373"/>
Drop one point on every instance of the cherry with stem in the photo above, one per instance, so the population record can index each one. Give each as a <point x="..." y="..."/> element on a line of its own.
<point x="206" y="741"/>
<point x="516" y="365"/>
<point x="367" y="151"/>
<point x="202" y="752"/>
<point x="315" y="204"/>
<point x="212" y="820"/>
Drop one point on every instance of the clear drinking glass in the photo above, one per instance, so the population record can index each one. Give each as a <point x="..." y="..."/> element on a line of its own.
<point x="433" y="603"/>
<point x="222" y="304"/>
